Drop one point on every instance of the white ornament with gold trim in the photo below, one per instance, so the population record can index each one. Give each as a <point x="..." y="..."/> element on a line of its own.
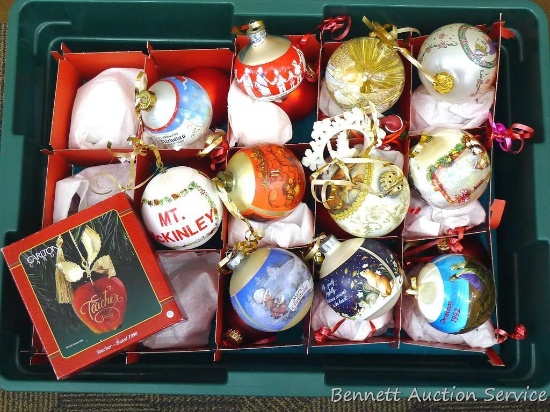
<point x="463" y="53"/>
<point x="450" y="168"/>
<point x="366" y="196"/>
<point x="181" y="208"/>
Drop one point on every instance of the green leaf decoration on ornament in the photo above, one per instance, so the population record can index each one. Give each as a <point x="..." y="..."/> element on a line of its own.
<point x="445" y="161"/>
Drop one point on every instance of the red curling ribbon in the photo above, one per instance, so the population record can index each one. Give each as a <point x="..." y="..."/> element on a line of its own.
<point x="216" y="146"/>
<point x="504" y="32"/>
<point x="506" y="137"/>
<point x="414" y="211"/>
<point x="218" y="156"/>
<point x="454" y="243"/>
<point x="334" y="24"/>
<point x="396" y="129"/>
<point x="519" y="333"/>
<point x="324" y="332"/>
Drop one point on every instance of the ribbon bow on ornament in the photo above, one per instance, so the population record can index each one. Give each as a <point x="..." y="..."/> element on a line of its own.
<point x="506" y="137"/>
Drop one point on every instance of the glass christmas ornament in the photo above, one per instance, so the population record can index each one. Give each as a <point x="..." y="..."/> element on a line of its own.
<point x="455" y="293"/>
<point x="216" y="83"/>
<point x="180" y="208"/>
<point x="360" y="278"/>
<point x="269" y="67"/>
<point x="176" y="111"/>
<point x="265" y="181"/>
<point x="364" y="70"/>
<point x="237" y="332"/>
<point x="300" y="102"/>
<point x="271" y="289"/>
<point x="464" y="54"/>
<point x="373" y="203"/>
<point x="470" y="246"/>
<point x="449" y="168"/>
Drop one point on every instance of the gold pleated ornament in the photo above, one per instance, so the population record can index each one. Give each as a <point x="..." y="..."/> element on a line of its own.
<point x="363" y="70"/>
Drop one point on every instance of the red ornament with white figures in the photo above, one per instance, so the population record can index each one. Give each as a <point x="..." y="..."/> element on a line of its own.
<point x="299" y="103"/>
<point x="269" y="67"/>
<point x="181" y="208"/>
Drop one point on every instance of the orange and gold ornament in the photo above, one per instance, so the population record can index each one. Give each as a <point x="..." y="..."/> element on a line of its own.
<point x="264" y="182"/>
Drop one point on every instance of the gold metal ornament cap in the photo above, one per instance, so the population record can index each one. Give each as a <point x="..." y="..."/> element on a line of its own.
<point x="443" y="83"/>
<point x="233" y="337"/>
<point x="256" y="32"/>
<point x="145" y="100"/>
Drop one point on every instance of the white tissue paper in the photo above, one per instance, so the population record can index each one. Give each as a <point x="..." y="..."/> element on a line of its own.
<point x="419" y="329"/>
<point x="104" y="111"/>
<point x="296" y="229"/>
<point x="194" y="280"/>
<point x="92" y="185"/>
<point x="322" y="315"/>
<point x="255" y="121"/>
<point x="429" y="114"/>
<point x="424" y="220"/>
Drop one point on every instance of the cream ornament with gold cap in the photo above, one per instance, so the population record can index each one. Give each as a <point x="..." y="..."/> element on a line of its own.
<point x="366" y="196"/>
<point x="450" y="168"/>
<point x="463" y="52"/>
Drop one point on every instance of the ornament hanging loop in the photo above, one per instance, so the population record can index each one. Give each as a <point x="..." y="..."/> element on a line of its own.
<point x="313" y="250"/>
<point x="252" y="237"/>
<point x="424" y="138"/>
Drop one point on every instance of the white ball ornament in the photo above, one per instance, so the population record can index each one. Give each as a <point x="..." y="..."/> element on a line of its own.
<point x="374" y="203"/>
<point x="449" y="168"/>
<point x="176" y="111"/>
<point x="466" y="54"/>
<point x="180" y="208"/>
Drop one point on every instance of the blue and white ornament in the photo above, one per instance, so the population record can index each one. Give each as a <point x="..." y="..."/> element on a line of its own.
<point x="455" y="293"/>
<point x="176" y="111"/>
<point x="271" y="289"/>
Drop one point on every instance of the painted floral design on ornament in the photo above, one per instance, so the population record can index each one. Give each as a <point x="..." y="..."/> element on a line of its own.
<point x="362" y="209"/>
<point x="483" y="48"/>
